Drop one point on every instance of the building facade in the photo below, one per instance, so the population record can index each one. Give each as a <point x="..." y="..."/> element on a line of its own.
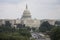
<point x="27" y="20"/>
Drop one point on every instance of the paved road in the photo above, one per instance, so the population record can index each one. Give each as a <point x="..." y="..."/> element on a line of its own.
<point x="39" y="36"/>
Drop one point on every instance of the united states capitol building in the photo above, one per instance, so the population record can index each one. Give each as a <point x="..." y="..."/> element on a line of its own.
<point x="26" y="19"/>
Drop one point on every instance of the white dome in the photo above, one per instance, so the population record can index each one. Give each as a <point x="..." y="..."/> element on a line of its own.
<point x="26" y="14"/>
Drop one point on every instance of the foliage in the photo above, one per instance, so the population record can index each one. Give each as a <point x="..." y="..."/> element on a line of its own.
<point x="7" y="29"/>
<point x="24" y="32"/>
<point x="7" y="23"/>
<point x="9" y="33"/>
<point x="34" y="29"/>
<point x="57" y="23"/>
<point x="11" y="37"/>
<point x="45" y="26"/>
<point x="55" y="33"/>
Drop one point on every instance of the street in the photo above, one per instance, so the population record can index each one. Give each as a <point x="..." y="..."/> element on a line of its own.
<point x="39" y="36"/>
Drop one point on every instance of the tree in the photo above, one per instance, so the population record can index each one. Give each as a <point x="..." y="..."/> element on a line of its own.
<point x="24" y="32"/>
<point x="45" y="26"/>
<point x="7" y="24"/>
<point x="34" y="29"/>
<point x="57" y="23"/>
<point x="55" y="33"/>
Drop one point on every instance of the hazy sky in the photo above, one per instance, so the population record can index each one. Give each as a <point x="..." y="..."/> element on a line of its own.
<point x="40" y="9"/>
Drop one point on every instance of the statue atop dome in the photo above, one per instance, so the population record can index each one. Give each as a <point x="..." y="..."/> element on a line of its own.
<point x="26" y="6"/>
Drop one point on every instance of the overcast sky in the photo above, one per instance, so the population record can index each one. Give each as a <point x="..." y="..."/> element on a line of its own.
<point x="40" y="9"/>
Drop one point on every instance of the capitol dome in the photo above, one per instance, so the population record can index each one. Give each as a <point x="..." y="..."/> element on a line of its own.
<point x="26" y="14"/>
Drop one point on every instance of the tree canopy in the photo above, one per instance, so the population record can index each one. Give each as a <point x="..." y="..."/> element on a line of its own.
<point x="55" y="33"/>
<point x="45" y="26"/>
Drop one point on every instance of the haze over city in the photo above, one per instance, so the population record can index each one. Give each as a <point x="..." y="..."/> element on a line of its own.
<point x="40" y="9"/>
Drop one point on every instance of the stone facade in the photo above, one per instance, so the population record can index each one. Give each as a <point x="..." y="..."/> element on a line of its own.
<point x="26" y="19"/>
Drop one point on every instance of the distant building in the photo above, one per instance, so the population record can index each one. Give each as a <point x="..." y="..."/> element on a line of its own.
<point x="51" y="21"/>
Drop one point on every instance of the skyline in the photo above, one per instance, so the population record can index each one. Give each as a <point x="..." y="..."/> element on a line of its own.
<point x="40" y="9"/>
